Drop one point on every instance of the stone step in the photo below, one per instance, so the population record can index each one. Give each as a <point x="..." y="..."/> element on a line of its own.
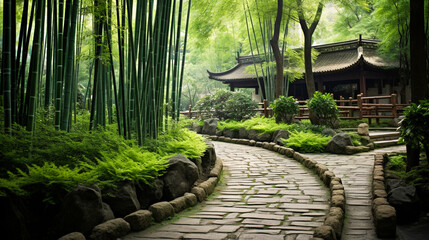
<point x="386" y="143"/>
<point x="382" y="136"/>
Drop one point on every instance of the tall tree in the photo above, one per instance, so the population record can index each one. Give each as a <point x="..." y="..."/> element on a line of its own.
<point x="419" y="90"/>
<point x="308" y="36"/>
<point x="276" y="49"/>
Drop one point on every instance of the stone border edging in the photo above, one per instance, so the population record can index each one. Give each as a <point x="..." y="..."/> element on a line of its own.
<point x="384" y="214"/>
<point x="334" y="220"/>
<point x="141" y="219"/>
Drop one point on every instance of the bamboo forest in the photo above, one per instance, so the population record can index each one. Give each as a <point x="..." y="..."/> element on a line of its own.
<point x="214" y="119"/>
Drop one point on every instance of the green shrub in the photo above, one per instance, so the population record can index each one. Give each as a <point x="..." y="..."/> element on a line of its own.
<point x="415" y="126"/>
<point x="284" y="108"/>
<point x="356" y="139"/>
<point x="323" y="110"/>
<point x="225" y="104"/>
<point x="307" y="142"/>
<point x="397" y="163"/>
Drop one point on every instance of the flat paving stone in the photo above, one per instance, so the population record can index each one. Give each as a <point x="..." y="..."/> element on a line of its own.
<point x="259" y="196"/>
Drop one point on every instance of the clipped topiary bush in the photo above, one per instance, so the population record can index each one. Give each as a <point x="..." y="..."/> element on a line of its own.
<point x="284" y="109"/>
<point x="225" y="104"/>
<point x="323" y="110"/>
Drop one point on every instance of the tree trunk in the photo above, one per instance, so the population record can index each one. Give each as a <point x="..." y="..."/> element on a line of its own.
<point x="418" y="68"/>
<point x="276" y="50"/>
<point x="308" y="35"/>
<point x="6" y="78"/>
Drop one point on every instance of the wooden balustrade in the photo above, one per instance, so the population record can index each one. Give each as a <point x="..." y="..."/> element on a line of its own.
<point x="361" y="107"/>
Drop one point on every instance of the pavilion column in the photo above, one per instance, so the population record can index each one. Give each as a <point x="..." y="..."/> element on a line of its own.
<point x="362" y="82"/>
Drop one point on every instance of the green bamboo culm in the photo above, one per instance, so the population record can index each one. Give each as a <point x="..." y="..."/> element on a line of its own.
<point x="33" y="79"/>
<point x="6" y="77"/>
<point x="68" y="70"/>
<point x="59" y="65"/>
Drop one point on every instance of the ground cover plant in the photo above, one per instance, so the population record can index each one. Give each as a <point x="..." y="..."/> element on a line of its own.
<point x="53" y="162"/>
<point x="307" y="142"/>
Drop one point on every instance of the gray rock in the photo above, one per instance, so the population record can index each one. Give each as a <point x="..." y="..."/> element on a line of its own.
<point x="338" y="143"/>
<point x="81" y="211"/>
<point x="230" y="133"/>
<point x="385" y="221"/>
<point x="280" y="134"/>
<point x="73" y="236"/>
<point x="328" y="132"/>
<point x="139" y="220"/>
<point x="161" y="211"/>
<point x="210" y="127"/>
<point x="179" y="204"/>
<point x="243" y="134"/>
<point x="363" y="129"/>
<point x="406" y="202"/>
<point x="191" y="199"/>
<point x="394" y="183"/>
<point x="180" y="177"/>
<point x="208" y="160"/>
<point x="255" y="135"/>
<point x="107" y="212"/>
<point x="123" y="200"/>
<point x="149" y="194"/>
<point x="252" y="134"/>
<point x="110" y="230"/>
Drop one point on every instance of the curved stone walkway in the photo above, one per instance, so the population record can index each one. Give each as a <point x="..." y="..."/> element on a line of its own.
<point x="355" y="172"/>
<point x="268" y="196"/>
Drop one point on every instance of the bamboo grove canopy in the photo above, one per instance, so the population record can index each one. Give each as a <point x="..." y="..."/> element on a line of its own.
<point x="138" y="52"/>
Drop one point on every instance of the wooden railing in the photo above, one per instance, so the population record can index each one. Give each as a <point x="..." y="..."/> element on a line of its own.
<point x="376" y="107"/>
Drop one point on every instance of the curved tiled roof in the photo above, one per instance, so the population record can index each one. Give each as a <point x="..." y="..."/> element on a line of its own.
<point x="333" y="57"/>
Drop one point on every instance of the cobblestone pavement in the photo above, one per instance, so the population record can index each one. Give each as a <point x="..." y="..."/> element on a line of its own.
<point x="268" y="196"/>
<point x="356" y="174"/>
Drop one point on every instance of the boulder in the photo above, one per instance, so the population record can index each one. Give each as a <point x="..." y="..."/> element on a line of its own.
<point x="385" y="221"/>
<point x="139" y="220"/>
<point x="394" y="183"/>
<point x="161" y="211"/>
<point x="254" y="135"/>
<point x="325" y="232"/>
<point x="149" y="194"/>
<point x="200" y="193"/>
<point x="230" y="133"/>
<point x="336" y="225"/>
<point x="123" y="200"/>
<point x="329" y="132"/>
<point x="73" y="236"/>
<point x="280" y="134"/>
<point x="209" y="185"/>
<point x="406" y="203"/>
<point x="338" y="143"/>
<point x="107" y="212"/>
<point x="81" y="211"/>
<point x="179" y="204"/>
<point x="363" y="129"/>
<point x="180" y="177"/>
<point x="209" y="127"/>
<point x="378" y="202"/>
<point x="242" y="133"/>
<point x="208" y="160"/>
<point x="110" y="230"/>
<point x="195" y="127"/>
<point x="191" y="199"/>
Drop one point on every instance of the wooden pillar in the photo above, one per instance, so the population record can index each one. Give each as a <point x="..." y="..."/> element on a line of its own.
<point x="320" y="85"/>
<point x="362" y="82"/>
<point x="394" y="101"/>
<point x="231" y="88"/>
<point x="266" y="108"/>
<point x="360" y="104"/>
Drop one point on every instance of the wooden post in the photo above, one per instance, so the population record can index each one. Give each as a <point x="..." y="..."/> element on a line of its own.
<point x="190" y="111"/>
<point x="341" y="102"/>
<point x="360" y="104"/>
<point x="394" y="100"/>
<point x="265" y="108"/>
<point x="377" y="101"/>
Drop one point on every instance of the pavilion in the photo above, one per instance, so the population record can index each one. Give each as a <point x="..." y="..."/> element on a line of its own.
<point x="343" y="68"/>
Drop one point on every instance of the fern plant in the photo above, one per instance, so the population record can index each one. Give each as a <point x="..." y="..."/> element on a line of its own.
<point x="307" y="142"/>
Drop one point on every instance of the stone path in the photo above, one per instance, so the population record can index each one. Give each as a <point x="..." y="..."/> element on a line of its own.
<point x="268" y="196"/>
<point x="355" y="172"/>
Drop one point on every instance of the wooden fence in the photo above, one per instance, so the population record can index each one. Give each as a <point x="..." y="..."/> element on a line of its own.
<point x="376" y="107"/>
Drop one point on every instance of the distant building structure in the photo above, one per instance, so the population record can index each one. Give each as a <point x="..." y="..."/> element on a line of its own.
<point x="343" y="68"/>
